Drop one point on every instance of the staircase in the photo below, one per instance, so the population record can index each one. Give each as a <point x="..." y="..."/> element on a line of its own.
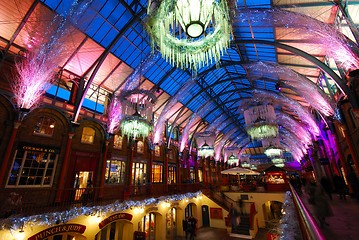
<point x="243" y="227"/>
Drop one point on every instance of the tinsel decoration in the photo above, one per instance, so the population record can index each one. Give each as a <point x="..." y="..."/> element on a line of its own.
<point x="15" y="223"/>
<point x="289" y="226"/>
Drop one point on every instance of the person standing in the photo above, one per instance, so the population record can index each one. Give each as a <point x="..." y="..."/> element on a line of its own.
<point x="326" y="186"/>
<point x="340" y="186"/>
<point x="321" y="206"/>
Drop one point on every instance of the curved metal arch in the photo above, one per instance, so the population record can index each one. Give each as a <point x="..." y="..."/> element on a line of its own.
<point x="353" y="101"/>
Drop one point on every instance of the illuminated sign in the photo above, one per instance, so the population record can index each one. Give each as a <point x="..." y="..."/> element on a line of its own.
<point x="115" y="217"/>
<point x="76" y="228"/>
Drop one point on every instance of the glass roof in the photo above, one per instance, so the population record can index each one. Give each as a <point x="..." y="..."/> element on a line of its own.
<point x="111" y="34"/>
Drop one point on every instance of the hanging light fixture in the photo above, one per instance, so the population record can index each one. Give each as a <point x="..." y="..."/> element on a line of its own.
<point x="245" y="161"/>
<point x="278" y="162"/>
<point x="137" y="113"/>
<point x="261" y="122"/>
<point x="245" y="164"/>
<point x="206" y="141"/>
<point x="190" y="33"/>
<point x="232" y="159"/>
<point x="205" y="150"/>
<point x="272" y="147"/>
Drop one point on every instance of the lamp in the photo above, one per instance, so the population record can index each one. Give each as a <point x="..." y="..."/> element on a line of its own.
<point x="245" y="164"/>
<point x="137" y="113"/>
<point x="206" y="141"/>
<point x="272" y="147"/>
<point x="261" y="122"/>
<point x="278" y="162"/>
<point x="232" y="159"/>
<point x="205" y="150"/>
<point x="190" y="33"/>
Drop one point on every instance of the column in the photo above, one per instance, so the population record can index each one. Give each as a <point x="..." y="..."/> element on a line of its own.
<point x="149" y="170"/>
<point x="103" y="173"/>
<point x="129" y="191"/>
<point x="5" y="163"/>
<point x="166" y="170"/>
<point x="64" y="168"/>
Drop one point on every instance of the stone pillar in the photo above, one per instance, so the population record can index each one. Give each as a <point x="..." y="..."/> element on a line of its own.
<point x="103" y="173"/>
<point x="5" y="162"/>
<point x="64" y="168"/>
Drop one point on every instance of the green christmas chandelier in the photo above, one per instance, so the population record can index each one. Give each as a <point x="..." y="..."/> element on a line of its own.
<point x="190" y="33"/>
<point x="206" y="142"/>
<point x="261" y="122"/>
<point x="137" y="113"/>
<point x="272" y="147"/>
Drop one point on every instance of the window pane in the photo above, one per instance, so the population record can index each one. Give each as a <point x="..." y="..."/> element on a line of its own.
<point x="33" y="167"/>
<point x="88" y="135"/>
<point x="117" y="142"/>
<point x="115" y="171"/>
<point x="45" y="126"/>
<point x="157" y="173"/>
<point x="140" y="147"/>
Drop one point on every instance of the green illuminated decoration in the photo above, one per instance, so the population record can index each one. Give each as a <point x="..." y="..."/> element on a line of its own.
<point x="137" y="113"/>
<point x="206" y="150"/>
<point x="261" y="131"/>
<point x="273" y="151"/>
<point x="190" y="33"/>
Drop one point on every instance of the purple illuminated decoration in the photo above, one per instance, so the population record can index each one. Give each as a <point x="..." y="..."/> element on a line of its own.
<point x="260" y="97"/>
<point x="304" y="87"/>
<point x="36" y="71"/>
<point x="114" y="115"/>
<point x="312" y="32"/>
<point x="178" y="97"/>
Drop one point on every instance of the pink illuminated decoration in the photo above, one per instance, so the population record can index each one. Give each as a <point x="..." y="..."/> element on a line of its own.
<point x="36" y="71"/>
<point x="178" y="97"/>
<point x="114" y="113"/>
<point x="195" y="116"/>
<point x="312" y="32"/>
<point x="304" y="87"/>
<point x="275" y="99"/>
<point x="220" y="145"/>
<point x="185" y="133"/>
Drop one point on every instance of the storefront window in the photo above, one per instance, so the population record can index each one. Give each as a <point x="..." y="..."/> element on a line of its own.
<point x="115" y="171"/>
<point x="139" y="173"/>
<point x="171" y="224"/>
<point x="45" y="126"/>
<point x="33" y="166"/>
<point x="88" y="135"/>
<point x="171" y="174"/>
<point x="117" y="142"/>
<point x="157" y="171"/>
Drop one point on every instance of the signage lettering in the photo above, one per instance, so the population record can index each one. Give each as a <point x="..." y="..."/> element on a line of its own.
<point x="77" y="228"/>
<point x="118" y="216"/>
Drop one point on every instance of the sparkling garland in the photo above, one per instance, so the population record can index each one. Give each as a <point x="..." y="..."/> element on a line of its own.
<point x="48" y="219"/>
<point x="289" y="225"/>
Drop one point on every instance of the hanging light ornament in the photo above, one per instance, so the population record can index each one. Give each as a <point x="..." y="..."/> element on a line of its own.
<point x="137" y="113"/>
<point x="272" y="147"/>
<point x="190" y="33"/>
<point x="206" y="141"/>
<point x="245" y="161"/>
<point x="231" y="155"/>
<point x="278" y="162"/>
<point x="261" y="122"/>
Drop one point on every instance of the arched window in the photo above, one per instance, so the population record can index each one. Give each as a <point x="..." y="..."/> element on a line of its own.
<point x="88" y="135"/>
<point x="140" y="147"/>
<point x="44" y="126"/>
<point x="157" y="151"/>
<point x="148" y="225"/>
<point x="117" y="142"/>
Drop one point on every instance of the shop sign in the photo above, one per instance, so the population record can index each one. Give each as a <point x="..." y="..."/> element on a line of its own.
<point x="76" y="228"/>
<point x="115" y="217"/>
